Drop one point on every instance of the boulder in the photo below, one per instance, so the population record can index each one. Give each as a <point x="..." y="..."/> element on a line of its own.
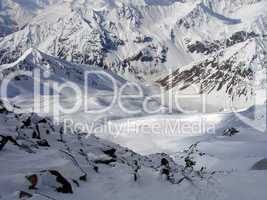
<point x="43" y="143"/>
<point x="65" y="184"/>
<point x="51" y="178"/>
<point x="25" y="195"/>
<point x="111" y="152"/>
<point x="33" y="179"/>
<point x="230" y="132"/>
<point x="260" y="165"/>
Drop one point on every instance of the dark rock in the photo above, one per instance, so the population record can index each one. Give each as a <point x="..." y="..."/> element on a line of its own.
<point x="65" y="184"/>
<point x="33" y="179"/>
<point x="201" y="74"/>
<point x="27" y="122"/>
<point x="43" y="121"/>
<point x="110" y="152"/>
<point x="76" y="183"/>
<point x="206" y="47"/>
<point x="96" y="169"/>
<point x="6" y="139"/>
<point x="189" y="163"/>
<point x="24" y="195"/>
<point x="143" y="39"/>
<point x="147" y="59"/>
<point x="83" y="178"/>
<point x="260" y="165"/>
<point x="240" y="36"/>
<point x="2" y="107"/>
<point x="43" y="143"/>
<point x="34" y="135"/>
<point x="3" y="142"/>
<point x="230" y="132"/>
<point x="105" y="161"/>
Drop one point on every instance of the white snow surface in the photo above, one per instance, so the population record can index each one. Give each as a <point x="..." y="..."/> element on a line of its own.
<point x="227" y="160"/>
<point x="40" y="29"/>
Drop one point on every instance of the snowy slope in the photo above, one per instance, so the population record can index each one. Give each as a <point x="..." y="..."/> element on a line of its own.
<point x="215" y="46"/>
<point x="91" y="167"/>
<point x="98" y="90"/>
<point x="85" y="164"/>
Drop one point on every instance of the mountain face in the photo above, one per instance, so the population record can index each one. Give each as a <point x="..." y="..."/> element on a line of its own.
<point x="216" y="45"/>
<point x="16" y="14"/>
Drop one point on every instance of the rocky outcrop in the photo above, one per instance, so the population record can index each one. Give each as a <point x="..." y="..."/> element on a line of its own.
<point x="260" y="165"/>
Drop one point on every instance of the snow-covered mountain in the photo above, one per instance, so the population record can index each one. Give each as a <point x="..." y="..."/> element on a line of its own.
<point x="211" y="47"/>
<point x="16" y="14"/>
<point x="144" y="39"/>
<point x="95" y="89"/>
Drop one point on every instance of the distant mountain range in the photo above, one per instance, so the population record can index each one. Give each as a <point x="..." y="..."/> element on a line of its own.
<point x="217" y="45"/>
